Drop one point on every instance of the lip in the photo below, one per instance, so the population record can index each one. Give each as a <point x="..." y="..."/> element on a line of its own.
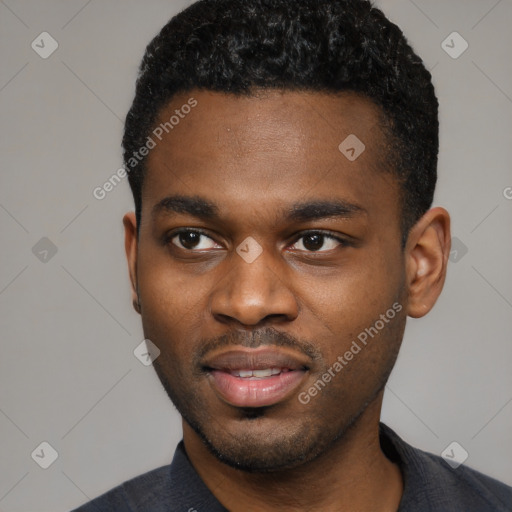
<point x="224" y="375"/>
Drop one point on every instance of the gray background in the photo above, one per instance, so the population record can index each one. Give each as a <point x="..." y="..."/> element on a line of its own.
<point x="68" y="375"/>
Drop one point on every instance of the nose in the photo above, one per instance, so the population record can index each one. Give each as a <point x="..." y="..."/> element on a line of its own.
<point x="253" y="293"/>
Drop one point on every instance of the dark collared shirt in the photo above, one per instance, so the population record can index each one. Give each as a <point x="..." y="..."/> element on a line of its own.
<point x="430" y="484"/>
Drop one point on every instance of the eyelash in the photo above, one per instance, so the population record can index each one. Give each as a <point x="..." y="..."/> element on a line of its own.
<point x="343" y="243"/>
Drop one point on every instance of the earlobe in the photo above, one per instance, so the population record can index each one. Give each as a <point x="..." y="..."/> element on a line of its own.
<point x="130" y="245"/>
<point x="427" y="251"/>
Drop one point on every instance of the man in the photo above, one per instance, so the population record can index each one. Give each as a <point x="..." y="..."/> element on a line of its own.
<point x="282" y="156"/>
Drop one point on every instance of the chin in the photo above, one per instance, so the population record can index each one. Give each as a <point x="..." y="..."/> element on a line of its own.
<point x="257" y="444"/>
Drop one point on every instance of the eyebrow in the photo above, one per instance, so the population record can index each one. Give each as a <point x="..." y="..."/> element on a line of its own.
<point x="202" y="208"/>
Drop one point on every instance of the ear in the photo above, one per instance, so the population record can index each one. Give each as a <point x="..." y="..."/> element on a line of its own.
<point x="427" y="251"/>
<point x="130" y="246"/>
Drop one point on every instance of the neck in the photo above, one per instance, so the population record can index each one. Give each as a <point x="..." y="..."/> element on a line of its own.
<point x="353" y="474"/>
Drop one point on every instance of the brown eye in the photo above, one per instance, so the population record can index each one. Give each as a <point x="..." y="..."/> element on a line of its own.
<point x="192" y="240"/>
<point x="313" y="242"/>
<point x="189" y="239"/>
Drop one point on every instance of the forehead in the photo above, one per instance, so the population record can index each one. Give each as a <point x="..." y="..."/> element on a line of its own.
<point x="267" y="150"/>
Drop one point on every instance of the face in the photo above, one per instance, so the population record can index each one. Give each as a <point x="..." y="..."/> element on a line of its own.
<point x="264" y="256"/>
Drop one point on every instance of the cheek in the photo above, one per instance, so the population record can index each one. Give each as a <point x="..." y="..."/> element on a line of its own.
<point x="163" y="285"/>
<point x="170" y="302"/>
<point x="352" y="295"/>
<point x="348" y="306"/>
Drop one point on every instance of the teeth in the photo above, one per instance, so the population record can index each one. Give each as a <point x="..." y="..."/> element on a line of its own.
<point x="259" y="374"/>
<point x="262" y="373"/>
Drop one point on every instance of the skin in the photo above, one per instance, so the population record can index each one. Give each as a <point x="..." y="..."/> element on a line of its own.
<point x="254" y="157"/>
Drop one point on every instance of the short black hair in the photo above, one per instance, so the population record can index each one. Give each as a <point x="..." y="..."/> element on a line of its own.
<point x="237" y="46"/>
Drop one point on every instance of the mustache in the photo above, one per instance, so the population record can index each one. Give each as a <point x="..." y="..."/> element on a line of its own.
<point x="267" y="336"/>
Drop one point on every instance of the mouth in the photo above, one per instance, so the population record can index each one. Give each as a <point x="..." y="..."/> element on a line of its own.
<point x="255" y="377"/>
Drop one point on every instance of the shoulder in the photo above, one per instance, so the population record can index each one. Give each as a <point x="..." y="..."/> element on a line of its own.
<point x="430" y="483"/>
<point x="149" y="491"/>
<point x="172" y="488"/>
<point x="463" y="488"/>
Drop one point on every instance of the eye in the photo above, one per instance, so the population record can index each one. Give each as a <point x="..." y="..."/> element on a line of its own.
<point x="315" y="240"/>
<point x="196" y="240"/>
<point x="191" y="240"/>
